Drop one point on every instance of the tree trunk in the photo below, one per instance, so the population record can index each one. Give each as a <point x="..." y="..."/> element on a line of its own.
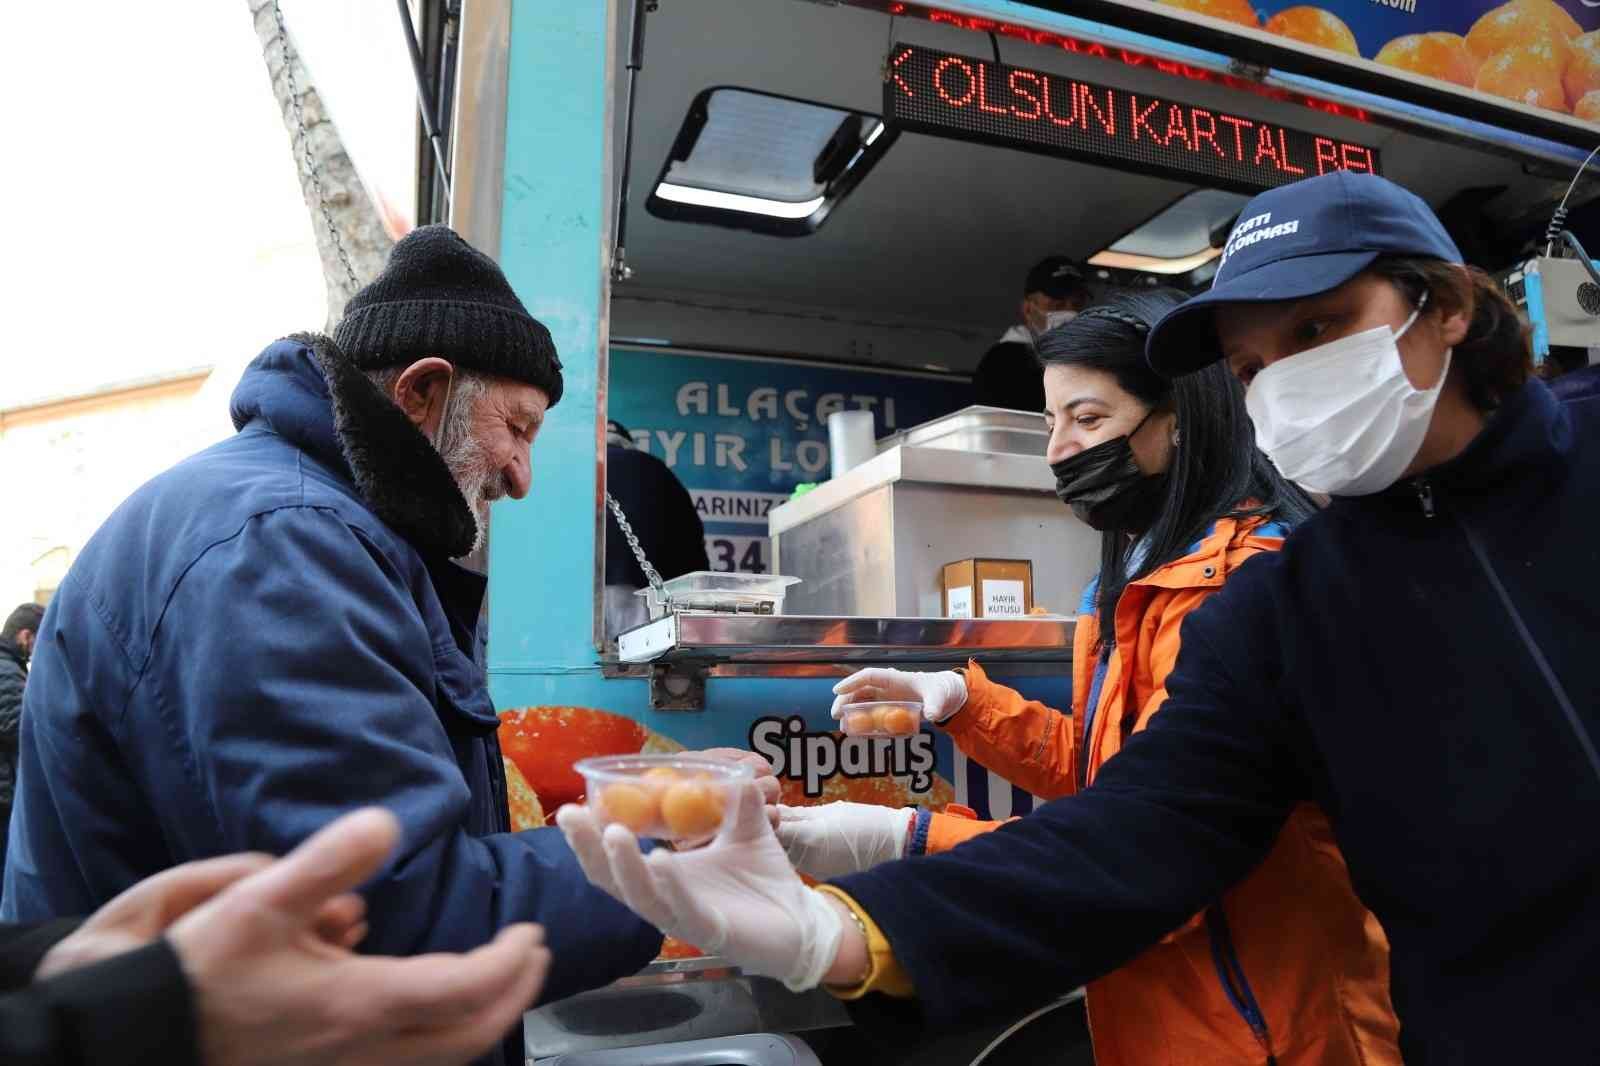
<point x="356" y="224"/>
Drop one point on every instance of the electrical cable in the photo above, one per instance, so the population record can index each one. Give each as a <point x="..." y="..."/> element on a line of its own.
<point x="1558" y="220"/>
<point x="1571" y="240"/>
<point x="444" y="106"/>
<point x="425" y="98"/>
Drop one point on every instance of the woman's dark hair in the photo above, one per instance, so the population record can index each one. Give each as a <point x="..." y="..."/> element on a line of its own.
<point x="1496" y="357"/>
<point x="1215" y="468"/>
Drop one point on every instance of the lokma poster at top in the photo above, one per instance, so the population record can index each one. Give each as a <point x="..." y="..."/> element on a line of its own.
<point x="1539" y="53"/>
<point x="741" y="433"/>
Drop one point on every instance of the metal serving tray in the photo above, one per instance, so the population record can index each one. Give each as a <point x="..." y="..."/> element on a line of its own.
<point x="978" y="429"/>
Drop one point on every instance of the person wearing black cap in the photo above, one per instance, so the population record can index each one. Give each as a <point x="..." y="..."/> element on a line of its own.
<point x="663" y="518"/>
<point x="1008" y="375"/>
<point x="1407" y="661"/>
<point x="275" y="631"/>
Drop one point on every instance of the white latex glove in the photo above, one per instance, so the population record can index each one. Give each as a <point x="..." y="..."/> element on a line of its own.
<point x="835" y="839"/>
<point x="737" y="898"/>
<point x="942" y="694"/>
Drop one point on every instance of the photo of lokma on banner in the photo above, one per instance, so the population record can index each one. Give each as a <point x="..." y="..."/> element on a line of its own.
<point x="1541" y="54"/>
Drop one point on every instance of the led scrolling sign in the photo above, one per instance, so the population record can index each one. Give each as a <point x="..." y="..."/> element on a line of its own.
<point x="931" y="91"/>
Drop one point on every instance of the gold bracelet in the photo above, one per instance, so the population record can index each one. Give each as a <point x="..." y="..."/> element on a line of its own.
<point x="866" y="947"/>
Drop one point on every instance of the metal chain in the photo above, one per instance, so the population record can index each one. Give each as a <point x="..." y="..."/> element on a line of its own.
<point x="638" y="551"/>
<point x="305" y="144"/>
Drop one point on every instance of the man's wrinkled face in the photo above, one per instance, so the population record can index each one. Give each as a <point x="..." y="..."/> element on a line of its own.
<point x="482" y="426"/>
<point x="487" y="442"/>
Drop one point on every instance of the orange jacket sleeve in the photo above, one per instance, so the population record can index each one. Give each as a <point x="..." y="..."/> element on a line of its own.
<point x="1023" y="741"/>
<point x="953" y="826"/>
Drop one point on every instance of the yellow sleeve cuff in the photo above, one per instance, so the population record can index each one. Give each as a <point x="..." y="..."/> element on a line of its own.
<point x="883" y="971"/>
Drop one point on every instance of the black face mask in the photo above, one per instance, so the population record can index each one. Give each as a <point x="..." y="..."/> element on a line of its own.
<point x="1106" y="489"/>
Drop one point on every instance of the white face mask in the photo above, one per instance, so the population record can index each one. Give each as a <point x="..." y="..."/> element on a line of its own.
<point x="1026" y="332"/>
<point x="1342" y="418"/>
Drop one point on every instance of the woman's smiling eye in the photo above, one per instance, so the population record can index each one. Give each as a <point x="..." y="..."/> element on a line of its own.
<point x="1088" y="421"/>
<point x="1309" y="331"/>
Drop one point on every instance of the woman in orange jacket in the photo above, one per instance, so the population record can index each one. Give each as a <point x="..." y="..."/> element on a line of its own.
<point x="1287" y="966"/>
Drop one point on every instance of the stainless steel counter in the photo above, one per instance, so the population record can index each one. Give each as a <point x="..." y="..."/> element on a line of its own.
<point x="972" y="485"/>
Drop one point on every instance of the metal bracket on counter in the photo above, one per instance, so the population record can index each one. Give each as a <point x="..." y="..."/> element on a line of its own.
<point x="727" y="638"/>
<point x="677" y="687"/>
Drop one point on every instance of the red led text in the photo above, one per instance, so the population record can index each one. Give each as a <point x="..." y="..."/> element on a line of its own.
<point x="963" y="96"/>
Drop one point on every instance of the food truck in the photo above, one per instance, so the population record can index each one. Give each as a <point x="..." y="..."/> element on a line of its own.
<point x="742" y="217"/>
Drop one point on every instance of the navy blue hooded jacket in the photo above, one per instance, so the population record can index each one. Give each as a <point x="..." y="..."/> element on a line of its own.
<point x="1422" y="664"/>
<point x="266" y="636"/>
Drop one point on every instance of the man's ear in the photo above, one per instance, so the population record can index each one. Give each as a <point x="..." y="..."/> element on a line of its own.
<point x="420" y="391"/>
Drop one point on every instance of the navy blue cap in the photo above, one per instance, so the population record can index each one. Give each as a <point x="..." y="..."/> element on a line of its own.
<point x="1295" y="241"/>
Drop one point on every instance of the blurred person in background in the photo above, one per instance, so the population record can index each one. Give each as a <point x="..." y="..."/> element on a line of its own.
<point x="16" y="647"/>
<point x="1007" y="376"/>
<point x="663" y="517"/>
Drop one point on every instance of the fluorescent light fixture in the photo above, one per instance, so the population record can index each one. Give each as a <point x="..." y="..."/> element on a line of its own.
<point x="731" y="201"/>
<point x="1151" y="264"/>
<point x="756" y="161"/>
<point x="1177" y="239"/>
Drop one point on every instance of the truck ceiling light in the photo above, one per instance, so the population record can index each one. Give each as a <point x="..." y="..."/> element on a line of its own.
<point x="732" y="201"/>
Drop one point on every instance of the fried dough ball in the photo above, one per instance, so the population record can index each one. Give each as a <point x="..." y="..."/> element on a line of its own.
<point x="1583" y="72"/>
<point x="1238" y="11"/>
<point x="1518" y="26"/>
<point x="692" y="809"/>
<point x="1313" y="25"/>
<point x="897" y="721"/>
<point x="1526" y="75"/>
<point x="1437" y="55"/>
<point x="634" y="806"/>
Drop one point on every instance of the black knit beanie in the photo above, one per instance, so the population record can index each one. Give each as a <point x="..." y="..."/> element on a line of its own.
<point x="439" y="296"/>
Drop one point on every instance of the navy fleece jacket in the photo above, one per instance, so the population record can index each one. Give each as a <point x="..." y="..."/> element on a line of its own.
<point x="1421" y="664"/>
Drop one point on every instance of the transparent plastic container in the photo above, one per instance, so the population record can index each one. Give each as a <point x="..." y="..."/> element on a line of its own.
<point x="669" y="797"/>
<point x="709" y="590"/>
<point x="882" y="718"/>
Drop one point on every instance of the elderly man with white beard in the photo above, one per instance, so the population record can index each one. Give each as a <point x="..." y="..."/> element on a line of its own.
<point x="274" y="632"/>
